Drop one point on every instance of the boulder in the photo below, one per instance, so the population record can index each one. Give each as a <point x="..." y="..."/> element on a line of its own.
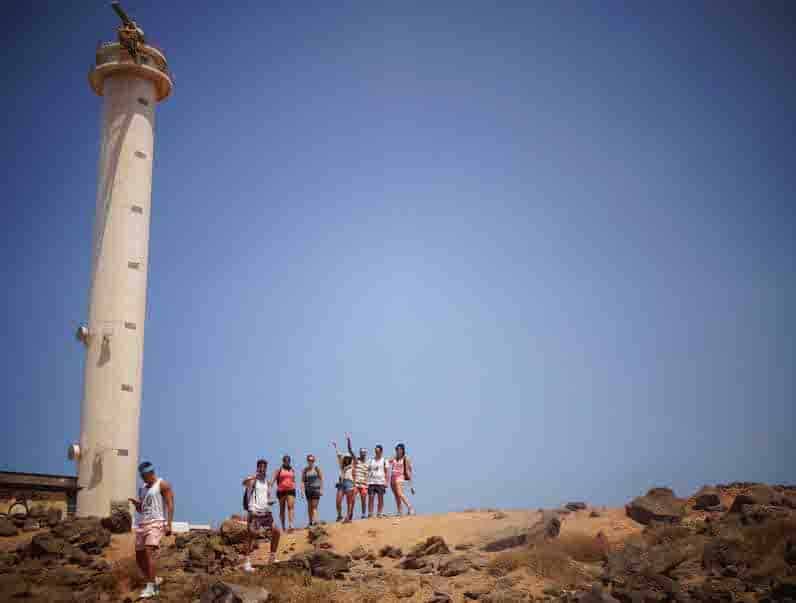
<point x="234" y="532"/>
<point x="761" y="513"/>
<point x="224" y="592"/>
<point x="432" y="546"/>
<point x="440" y="597"/>
<point x="405" y="589"/>
<point x="547" y="528"/>
<point x="575" y="506"/>
<point x="30" y="525"/>
<point x="508" y="595"/>
<point x="358" y="553"/>
<point x="759" y="494"/>
<point x="594" y="514"/>
<point x="413" y="563"/>
<point x="88" y="534"/>
<point x="316" y="534"/>
<point x="46" y="544"/>
<point x="454" y="566"/>
<point x="393" y="552"/>
<point x="119" y="521"/>
<point x="54" y="516"/>
<point x="707" y="497"/>
<point x="69" y="576"/>
<point x="328" y="565"/>
<point x="784" y="589"/>
<point x="659" y="505"/>
<point x="597" y="595"/>
<point x="7" y="527"/>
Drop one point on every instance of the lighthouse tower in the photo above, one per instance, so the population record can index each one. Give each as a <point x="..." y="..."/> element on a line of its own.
<point x="132" y="77"/>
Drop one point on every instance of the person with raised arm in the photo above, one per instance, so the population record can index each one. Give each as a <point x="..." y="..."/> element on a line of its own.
<point x="345" y="484"/>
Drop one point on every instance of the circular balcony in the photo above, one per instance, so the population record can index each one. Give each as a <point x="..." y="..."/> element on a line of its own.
<point x="112" y="58"/>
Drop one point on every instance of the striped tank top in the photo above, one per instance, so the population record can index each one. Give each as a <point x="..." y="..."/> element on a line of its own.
<point x="361" y="473"/>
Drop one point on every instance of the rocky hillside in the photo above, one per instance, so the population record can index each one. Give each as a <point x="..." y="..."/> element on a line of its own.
<point x="734" y="542"/>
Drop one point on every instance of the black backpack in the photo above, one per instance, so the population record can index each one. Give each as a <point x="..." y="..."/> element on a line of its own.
<point x="247" y="493"/>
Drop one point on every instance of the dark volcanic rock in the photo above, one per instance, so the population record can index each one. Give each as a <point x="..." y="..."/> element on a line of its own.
<point x="223" y="592"/>
<point x="658" y="504"/>
<point x="432" y="546"/>
<point x="46" y="544"/>
<point x="597" y="595"/>
<point x="88" y="534"/>
<point x="393" y="552"/>
<point x="454" y="566"/>
<point x="575" y="506"/>
<point x="706" y="498"/>
<point x="358" y="553"/>
<point x="328" y="565"/>
<point x="7" y="528"/>
<point x="119" y="521"/>
<point x="234" y="532"/>
<point x="547" y="528"/>
<point x="30" y="525"/>
<point x="54" y="516"/>
<point x="759" y="494"/>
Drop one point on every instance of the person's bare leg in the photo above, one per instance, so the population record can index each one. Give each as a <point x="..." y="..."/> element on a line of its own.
<point x="282" y="503"/>
<point x="363" y="498"/>
<point x="313" y="509"/>
<point x="338" y="501"/>
<point x="291" y="511"/>
<point x="349" y="500"/>
<point x="276" y="534"/>
<point x="149" y="556"/>
<point x="397" y="494"/>
<point x="140" y="559"/>
<point x="370" y="504"/>
<point x="381" y="503"/>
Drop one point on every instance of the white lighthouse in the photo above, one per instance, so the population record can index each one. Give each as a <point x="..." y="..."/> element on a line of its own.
<point x="132" y="77"/>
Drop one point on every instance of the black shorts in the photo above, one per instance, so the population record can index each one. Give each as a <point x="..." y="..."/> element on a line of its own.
<point x="313" y="494"/>
<point x="285" y="493"/>
<point x="377" y="489"/>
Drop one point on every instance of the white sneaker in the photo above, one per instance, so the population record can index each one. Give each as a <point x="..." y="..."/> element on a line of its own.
<point x="150" y="591"/>
<point x="247" y="567"/>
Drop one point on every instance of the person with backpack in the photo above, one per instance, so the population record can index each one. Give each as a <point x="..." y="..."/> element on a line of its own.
<point x="285" y="480"/>
<point x="377" y="481"/>
<point x="400" y="472"/>
<point x="257" y="502"/>
<point x="312" y="488"/>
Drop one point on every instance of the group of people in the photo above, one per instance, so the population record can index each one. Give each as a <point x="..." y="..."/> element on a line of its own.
<point x="358" y="476"/>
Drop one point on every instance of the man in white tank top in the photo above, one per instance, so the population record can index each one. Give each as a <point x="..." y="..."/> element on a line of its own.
<point x="377" y="481"/>
<point x="260" y="521"/>
<point x="154" y="515"/>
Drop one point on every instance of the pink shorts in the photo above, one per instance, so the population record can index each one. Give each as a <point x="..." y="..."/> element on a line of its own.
<point x="361" y="490"/>
<point x="149" y="534"/>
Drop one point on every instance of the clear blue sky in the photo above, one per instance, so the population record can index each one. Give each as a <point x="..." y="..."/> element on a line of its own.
<point x="550" y="246"/>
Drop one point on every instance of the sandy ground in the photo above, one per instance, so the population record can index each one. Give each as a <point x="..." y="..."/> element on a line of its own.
<point x="462" y="528"/>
